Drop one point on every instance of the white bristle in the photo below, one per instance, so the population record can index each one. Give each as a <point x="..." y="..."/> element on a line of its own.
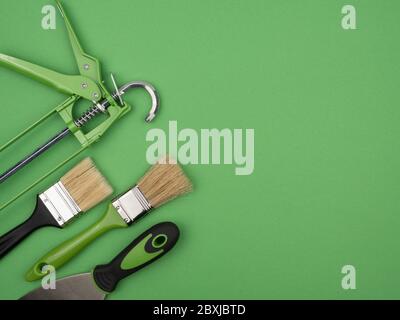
<point x="164" y="182"/>
<point x="86" y="185"/>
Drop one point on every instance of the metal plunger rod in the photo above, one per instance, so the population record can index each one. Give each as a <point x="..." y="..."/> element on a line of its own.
<point x="86" y="117"/>
<point x="34" y="155"/>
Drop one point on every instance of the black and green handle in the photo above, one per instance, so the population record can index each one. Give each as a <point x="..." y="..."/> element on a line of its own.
<point x="145" y="249"/>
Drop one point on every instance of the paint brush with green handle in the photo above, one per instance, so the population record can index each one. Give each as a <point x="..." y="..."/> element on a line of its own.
<point x="162" y="183"/>
<point x="145" y="249"/>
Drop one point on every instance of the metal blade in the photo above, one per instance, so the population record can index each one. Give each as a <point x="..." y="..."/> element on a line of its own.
<point x="77" y="287"/>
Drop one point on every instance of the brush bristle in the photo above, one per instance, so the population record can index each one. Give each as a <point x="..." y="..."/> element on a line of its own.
<point x="164" y="182"/>
<point x="86" y="184"/>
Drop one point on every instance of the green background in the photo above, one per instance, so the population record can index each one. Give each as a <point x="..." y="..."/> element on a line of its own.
<point x="324" y="103"/>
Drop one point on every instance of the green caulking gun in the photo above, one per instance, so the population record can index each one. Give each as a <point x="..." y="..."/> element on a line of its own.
<point x="87" y="85"/>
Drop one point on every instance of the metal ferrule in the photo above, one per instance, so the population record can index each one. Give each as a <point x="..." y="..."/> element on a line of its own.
<point x="60" y="203"/>
<point x="131" y="205"/>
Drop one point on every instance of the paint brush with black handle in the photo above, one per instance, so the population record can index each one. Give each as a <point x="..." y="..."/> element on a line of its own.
<point x="80" y="189"/>
<point x="162" y="183"/>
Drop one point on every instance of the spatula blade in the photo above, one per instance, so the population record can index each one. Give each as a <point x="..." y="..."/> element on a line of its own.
<point x="77" y="287"/>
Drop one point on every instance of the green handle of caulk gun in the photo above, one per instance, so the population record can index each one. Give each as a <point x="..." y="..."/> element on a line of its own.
<point x="70" y="248"/>
<point x="79" y="85"/>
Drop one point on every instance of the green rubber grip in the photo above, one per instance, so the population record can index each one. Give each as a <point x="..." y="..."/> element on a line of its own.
<point x="145" y="249"/>
<point x="61" y="254"/>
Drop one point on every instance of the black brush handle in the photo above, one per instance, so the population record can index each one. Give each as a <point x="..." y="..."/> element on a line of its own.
<point x="145" y="249"/>
<point x="40" y="217"/>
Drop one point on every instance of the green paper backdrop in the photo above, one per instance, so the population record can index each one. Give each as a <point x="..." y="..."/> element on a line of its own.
<point x="324" y="104"/>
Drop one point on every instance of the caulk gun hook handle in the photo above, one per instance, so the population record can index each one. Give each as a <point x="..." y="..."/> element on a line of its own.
<point x="155" y="100"/>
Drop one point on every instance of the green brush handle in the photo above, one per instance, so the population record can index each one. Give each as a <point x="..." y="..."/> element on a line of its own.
<point x="70" y="248"/>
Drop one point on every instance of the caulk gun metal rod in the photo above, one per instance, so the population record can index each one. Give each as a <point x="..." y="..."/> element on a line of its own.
<point x="34" y="155"/>
<point x="58" y="137"/>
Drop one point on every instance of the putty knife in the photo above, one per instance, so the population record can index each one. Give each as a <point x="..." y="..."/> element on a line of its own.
<point x="145" y="249"/>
